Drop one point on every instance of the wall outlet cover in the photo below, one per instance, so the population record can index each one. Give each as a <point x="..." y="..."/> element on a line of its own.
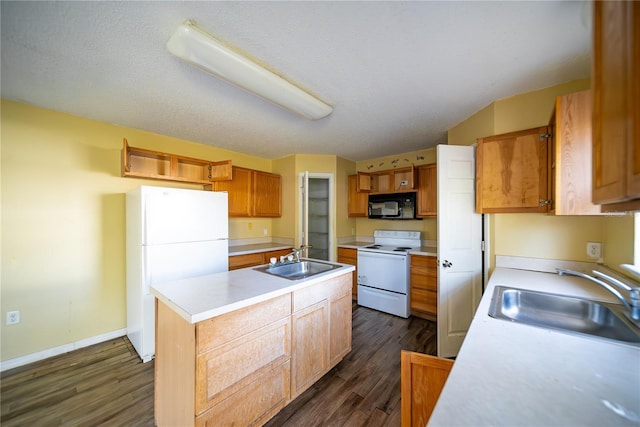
<point x="594" y="250"/>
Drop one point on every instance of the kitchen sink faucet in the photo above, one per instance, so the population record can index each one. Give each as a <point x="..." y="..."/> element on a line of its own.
<point x="632" y="305"/>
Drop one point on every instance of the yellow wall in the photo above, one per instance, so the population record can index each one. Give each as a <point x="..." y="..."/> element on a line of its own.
<point x="63" y="213"/>
<point x="540" y="235"/>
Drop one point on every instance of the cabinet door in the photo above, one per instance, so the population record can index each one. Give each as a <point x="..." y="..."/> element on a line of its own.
<point x="616" y="104"/>
<point x="240" y="192"/>
<point x="570" y="156"/>
<point x="422" y="378"/>
<point x="424" y="284"/>
<point x="427" y="190"/>
<point x="350" y="256"/>
<point x="310" y="351"/>
<point x="511" y="172"/>
<point x="339" y="319"/>
<point x="248" y="260"/>
<point x="267" y="194"/>
<point x="357" y="203"/>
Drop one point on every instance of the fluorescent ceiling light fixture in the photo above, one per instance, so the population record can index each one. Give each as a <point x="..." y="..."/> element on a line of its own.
<point x="203" y="51"/>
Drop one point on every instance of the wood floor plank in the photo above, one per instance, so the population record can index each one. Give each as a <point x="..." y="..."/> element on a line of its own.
<point x="107" y="385"/>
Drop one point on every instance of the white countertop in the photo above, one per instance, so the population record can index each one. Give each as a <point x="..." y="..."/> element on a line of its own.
<point x="512" y="374"/>
<point x="201" y="298"/>
<point x="255" y="248"/>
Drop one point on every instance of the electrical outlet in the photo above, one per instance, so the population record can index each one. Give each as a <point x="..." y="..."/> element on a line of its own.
<point x="13" y="317"/>
<point x="265" y="231"/>
<point x="594" y="250"/>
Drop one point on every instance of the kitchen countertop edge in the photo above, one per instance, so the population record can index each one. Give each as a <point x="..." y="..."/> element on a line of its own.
<point x="201" y="298"/>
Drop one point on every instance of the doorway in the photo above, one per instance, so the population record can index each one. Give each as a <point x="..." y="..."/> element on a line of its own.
<point x="317" y="214"/>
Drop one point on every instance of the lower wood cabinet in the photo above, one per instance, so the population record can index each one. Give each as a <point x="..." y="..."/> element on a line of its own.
<point x="424" y="286"/>
<point x="258" y="258"/>
<point x="321" y="323"/>
<point x="242" y="367"/>
<point x="422" y="378"/>
<point x="350" y="256"/>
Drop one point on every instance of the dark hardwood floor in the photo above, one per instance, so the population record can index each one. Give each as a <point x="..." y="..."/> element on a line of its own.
<point x="107" y="385"/>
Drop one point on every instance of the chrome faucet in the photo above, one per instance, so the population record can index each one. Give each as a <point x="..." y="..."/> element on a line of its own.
<point x="296" y="252"/>
<point x="632" y="305"/>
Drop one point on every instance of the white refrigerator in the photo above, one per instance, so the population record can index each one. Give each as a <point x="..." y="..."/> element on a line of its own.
<point x="171" y="234"/>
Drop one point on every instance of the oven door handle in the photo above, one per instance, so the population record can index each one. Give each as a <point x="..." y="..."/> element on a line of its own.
<point x="381" y="255"/>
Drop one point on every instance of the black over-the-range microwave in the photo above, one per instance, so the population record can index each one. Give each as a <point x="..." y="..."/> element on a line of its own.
<point x="393" y="206"/>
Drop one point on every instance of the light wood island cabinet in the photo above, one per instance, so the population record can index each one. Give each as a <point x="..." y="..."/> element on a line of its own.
<point x="242" y="367"/>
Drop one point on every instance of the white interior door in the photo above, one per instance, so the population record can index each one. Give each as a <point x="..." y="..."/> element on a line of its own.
<point x="459" y="246"/>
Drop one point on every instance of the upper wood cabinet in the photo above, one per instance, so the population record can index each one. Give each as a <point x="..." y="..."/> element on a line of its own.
<point x="253" y="193"/>
<point x="149" y="164"/>
<point x="511" y="172"/>
<point x="399" y="180"/>
<point x="570" y="156"/>
<point x="427" y="197"/>
<point x="357" y="203"/>
<point x="616" y="105"/>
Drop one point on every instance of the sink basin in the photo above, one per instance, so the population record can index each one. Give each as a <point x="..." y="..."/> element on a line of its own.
<point x="564" y="313"/>
<point x="298" y="270"/>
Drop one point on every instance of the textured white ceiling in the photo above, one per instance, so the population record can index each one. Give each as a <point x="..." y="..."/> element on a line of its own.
<point x="398" y="74"/>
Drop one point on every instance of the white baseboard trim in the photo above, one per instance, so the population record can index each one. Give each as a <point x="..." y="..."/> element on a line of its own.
<point x="44" y="354"/>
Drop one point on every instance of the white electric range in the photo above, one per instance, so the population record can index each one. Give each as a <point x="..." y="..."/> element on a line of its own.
<point x="383" y="271"/>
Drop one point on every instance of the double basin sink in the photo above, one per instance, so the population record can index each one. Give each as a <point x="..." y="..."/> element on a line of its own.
<point x="567" y="314"/>
<point x="297" y="270"/>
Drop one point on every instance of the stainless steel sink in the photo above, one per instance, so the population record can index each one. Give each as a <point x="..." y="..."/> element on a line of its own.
<point x="298" y="270"/>
<point x="564" y="313"/>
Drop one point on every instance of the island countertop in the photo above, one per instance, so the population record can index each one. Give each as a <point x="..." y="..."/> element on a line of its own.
<point x="514" y="374"/>
<point x="201" y="298"/>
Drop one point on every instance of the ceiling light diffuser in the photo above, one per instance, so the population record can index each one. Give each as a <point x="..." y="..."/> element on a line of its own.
<point x="203" y="51"/>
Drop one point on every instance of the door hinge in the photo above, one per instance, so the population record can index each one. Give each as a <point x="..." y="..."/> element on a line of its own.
<point x="482" y="246"/>
<point x="545" y="136"/>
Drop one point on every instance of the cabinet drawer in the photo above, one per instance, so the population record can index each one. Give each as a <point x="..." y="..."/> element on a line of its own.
<point x="425" y="301"/>
<point x="348" y="255"/>
<point x="248" y="260"/>
<point x="227" y="369"/>
<point x="424" y="279"/>
<point x="424" y="261"/>
<point x="215" y="332"/>
<point x="253" y="404"/>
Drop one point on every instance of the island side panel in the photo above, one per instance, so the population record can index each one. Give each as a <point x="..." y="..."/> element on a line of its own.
<point x="174" y="368"/>
<point x="340" y="319"/>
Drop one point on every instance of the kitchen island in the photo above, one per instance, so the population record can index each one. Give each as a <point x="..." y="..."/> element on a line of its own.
<point x="515" y="374"/>
<point x="236" y="347"/>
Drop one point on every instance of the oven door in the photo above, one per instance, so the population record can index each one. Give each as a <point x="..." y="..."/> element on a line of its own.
<point x="383" y="271"/>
